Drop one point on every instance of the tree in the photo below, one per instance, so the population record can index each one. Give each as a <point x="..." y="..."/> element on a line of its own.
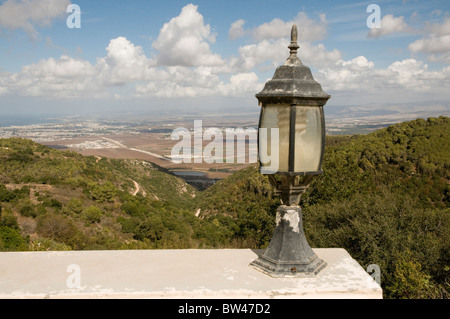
<point x="60" y="229"/>
<point x="409" y="281"/>
<point x="11" y="240"/>
<point x="92" y="214"/>
<point x="104" y="193"/>
<point x="74" y="206"/>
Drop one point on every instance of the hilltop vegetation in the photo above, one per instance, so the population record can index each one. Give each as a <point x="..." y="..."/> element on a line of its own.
<point x="383" y="196"/>
<point x="53" y="199"/>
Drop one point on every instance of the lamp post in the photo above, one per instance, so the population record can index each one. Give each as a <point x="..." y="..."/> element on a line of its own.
<point x="292" y="102"/>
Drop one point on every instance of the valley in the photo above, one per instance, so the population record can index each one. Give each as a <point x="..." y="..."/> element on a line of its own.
<point x="148" y="137"/>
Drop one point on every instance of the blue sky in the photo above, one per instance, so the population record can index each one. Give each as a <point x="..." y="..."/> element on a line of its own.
<point x="158" y="55"/>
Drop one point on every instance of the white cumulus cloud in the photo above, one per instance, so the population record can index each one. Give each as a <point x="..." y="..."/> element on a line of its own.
<point x="436" y="44"/>
<point x="184" y="65"/>
<point x="27" y="14"/>
<point x="272" y="39"/>
<point x="240" y="84"/>
<point x="63" y="77"/>
<point x="237" y="29"/>
<point x="359" y="81"/>
<point x="308" y="29"/>
<point x="185" y="39"/>
<point x="124" y="63"/>
<point x="389" y="25"/>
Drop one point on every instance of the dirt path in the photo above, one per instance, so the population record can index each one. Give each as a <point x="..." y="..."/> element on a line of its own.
<point x="135" y="149"/>
<point x="137" y="188"/>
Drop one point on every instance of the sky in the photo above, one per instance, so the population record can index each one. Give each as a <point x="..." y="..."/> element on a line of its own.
<point x="175" y="56"/>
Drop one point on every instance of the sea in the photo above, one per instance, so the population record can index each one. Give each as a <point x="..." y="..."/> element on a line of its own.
<point x="24" y="120"/>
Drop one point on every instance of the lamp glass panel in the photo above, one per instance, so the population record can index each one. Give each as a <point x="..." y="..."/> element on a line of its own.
<point x="308" y="139"/>
<point x="277" y="117"/>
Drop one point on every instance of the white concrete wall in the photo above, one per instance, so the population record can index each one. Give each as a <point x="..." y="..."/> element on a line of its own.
<point x="187" y="274"/>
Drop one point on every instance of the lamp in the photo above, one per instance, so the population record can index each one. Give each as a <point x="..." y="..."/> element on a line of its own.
<point x="292" y="103"/>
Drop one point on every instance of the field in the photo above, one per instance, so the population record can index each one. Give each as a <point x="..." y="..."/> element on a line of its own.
<point x="152" y="147"/>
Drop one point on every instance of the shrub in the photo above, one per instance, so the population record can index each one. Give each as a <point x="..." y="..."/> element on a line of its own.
<point x="129" y="225"/>
<point x="10" y="240"/>
<point x="377" y="229"/>
<point x="51" y="202"/>
<point x="92" y="214"/>
<point x="409" y="281"/>
<point x="46" y="244"/>
<point x="74" y="206"/>
<point x="103" y="193"/>
<point x="8" y="219"/>
<point x="6" y="195"/>
<point x="28" y="210"/>
<point x="56" y="227"/>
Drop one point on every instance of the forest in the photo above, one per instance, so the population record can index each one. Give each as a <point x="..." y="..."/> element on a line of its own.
<point x="383" y="196"/>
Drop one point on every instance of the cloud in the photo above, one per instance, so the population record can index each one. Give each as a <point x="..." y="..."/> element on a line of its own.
<point x="66" y="77"/>
<point x="63" y="77"/>
<point x="181" y="81"/>
<point x="436" y="43"/>
<point x="440" y="28"/>
<point x="184" y="41"/>
<point x="189" y="68"/>
<point x="124" y="63"/>
<point x="308" y="29"/>
<point x="199" y="82"/>
<point x="346" y="75"/>
<point x="272" y="39"/>
<point x="267" y="55"/>
<point x="359" y="81"/>
<point x="27" y="14"/>
<point x="389" y="25"/>
<point x="431" y="44"/>
<point x="236" y="29"/>
<point x="3" y="91"/>
<point x="183" y="45"/>
<point x="317" y="55"/>
<point x="240" y="84"/>
<point x="184" y="65"/>
<point x="253" y="55"/>
<point x="436" y="13"/>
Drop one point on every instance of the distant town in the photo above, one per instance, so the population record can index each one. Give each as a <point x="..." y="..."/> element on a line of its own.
<point x="46" y="130"/>
<point x="149" y="139"/>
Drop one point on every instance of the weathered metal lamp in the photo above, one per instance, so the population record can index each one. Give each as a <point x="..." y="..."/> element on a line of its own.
<point x="292" y="102"/>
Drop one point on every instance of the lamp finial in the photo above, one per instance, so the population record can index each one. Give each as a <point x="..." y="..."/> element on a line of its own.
<point x="293" y="47"/>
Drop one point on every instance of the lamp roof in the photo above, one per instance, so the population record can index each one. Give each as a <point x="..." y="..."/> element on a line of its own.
<point x="293" y="82"/>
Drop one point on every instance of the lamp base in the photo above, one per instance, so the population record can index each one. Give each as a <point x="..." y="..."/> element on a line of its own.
<point x="288" y="253"/>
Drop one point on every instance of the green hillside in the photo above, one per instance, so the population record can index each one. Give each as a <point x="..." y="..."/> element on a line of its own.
<point x="53" y="199"/>
<point x="383" y="196"/>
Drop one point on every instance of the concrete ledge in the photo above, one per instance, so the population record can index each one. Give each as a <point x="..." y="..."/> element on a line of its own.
<point x="186" y="274"/>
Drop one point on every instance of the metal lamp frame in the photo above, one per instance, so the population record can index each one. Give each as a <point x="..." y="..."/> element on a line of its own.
<point x="288" y="253"/>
